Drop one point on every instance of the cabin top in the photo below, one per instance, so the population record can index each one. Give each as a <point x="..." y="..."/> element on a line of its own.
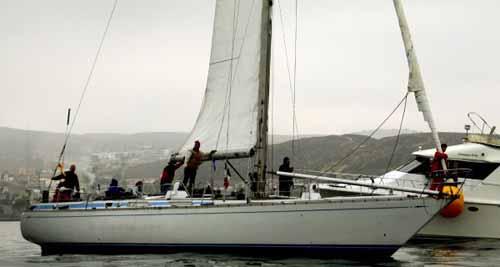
<point x="490" y="140"/>
<point x="468" y="151"/>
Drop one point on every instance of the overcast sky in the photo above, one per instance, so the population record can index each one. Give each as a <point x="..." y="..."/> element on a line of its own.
<point x="351" y="68"/>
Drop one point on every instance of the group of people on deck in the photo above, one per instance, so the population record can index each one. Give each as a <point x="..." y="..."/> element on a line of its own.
<point x="192" y="161"/>
<point x="69" y="187"/>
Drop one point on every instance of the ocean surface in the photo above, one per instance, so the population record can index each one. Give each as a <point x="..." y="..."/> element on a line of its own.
<point x="15" y="251"/>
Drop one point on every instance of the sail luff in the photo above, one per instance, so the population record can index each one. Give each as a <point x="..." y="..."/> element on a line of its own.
<point x="415" y="81"/>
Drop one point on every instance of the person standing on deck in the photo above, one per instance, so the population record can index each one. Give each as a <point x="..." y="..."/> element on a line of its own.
<point x="168" y="174"/>
<point x="286" y="183"/>
<point x="68" y="184"/>
<point x="193" y="161"/>
<point x="437" y="172"/>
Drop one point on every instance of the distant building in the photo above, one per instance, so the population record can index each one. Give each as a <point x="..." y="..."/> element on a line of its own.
<point x="4" y="177"/>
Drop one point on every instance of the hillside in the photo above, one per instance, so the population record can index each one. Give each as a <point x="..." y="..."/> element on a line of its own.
<point x="382" y="133"/>
<point x="37" y="149"/>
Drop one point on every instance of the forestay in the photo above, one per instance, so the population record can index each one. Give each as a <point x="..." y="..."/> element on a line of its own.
<point x="227" y="121"/>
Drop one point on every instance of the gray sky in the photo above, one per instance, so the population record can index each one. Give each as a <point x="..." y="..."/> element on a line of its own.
<point x="152" y="71"/>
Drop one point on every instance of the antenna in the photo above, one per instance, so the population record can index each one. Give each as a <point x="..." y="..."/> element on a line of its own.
<point x="68" y="118"/>
<point x="467" y="129"/>
<point x="66" y="133"/>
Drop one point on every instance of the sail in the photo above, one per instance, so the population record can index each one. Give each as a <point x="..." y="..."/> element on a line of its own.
<point x="227" y="121"/>
<point x="415" y="82"/>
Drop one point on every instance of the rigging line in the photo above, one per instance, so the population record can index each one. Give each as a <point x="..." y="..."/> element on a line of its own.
<point x="294" y="130"/>
<point x="273" y="87"/>
<point x="398" y="136"/>
<point x="89" y="77"/>
<point x="249" y="184"/>
<point x="291" y="84"/>
<point x="368" y="137"/>
<point x="223" y="61"/>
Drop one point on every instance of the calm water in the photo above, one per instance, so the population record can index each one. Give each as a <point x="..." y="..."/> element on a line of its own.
<point x="15" y="251"/>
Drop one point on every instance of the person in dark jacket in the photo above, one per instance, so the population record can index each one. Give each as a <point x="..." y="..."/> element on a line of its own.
<point x="114" y="191"/>
<point x="67" y="185"/>
<point x="168" y="174"/>
<point x="286" y="183"/>
<point x="138" y="190"/>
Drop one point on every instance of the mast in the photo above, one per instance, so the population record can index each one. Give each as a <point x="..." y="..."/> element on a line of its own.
<point x="262" y="119"/>
<point x="415" y="81"/>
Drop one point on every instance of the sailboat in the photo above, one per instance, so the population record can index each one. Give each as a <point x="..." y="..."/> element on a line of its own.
<point x="233" y="123"/>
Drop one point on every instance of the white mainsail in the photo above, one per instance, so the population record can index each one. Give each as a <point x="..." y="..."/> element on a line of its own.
<point x="227" y="121"/>
<point x="415" y="82"/>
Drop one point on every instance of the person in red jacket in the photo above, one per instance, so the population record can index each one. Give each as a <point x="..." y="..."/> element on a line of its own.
<point x="168" y="174"/>
<point x="437" y="171"/>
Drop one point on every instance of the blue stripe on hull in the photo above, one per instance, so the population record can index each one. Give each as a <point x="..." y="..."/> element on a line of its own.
<point x="316" y="251"/>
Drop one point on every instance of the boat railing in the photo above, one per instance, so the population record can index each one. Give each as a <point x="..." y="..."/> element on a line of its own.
<point x="343" y="175"/>
<point x="473" y="117"/>
<point x="239" y="191"/>
<point x="452" y="173"/>
<point x="458" y="175"/>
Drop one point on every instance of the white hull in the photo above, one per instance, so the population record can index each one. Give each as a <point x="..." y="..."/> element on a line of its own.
<point x="370" y="225"/>
<point x="478" y="220"/>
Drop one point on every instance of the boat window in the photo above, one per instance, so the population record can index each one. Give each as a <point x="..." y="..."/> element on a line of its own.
<point x="479" y="170"/>
<point x="418" y="166"/>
